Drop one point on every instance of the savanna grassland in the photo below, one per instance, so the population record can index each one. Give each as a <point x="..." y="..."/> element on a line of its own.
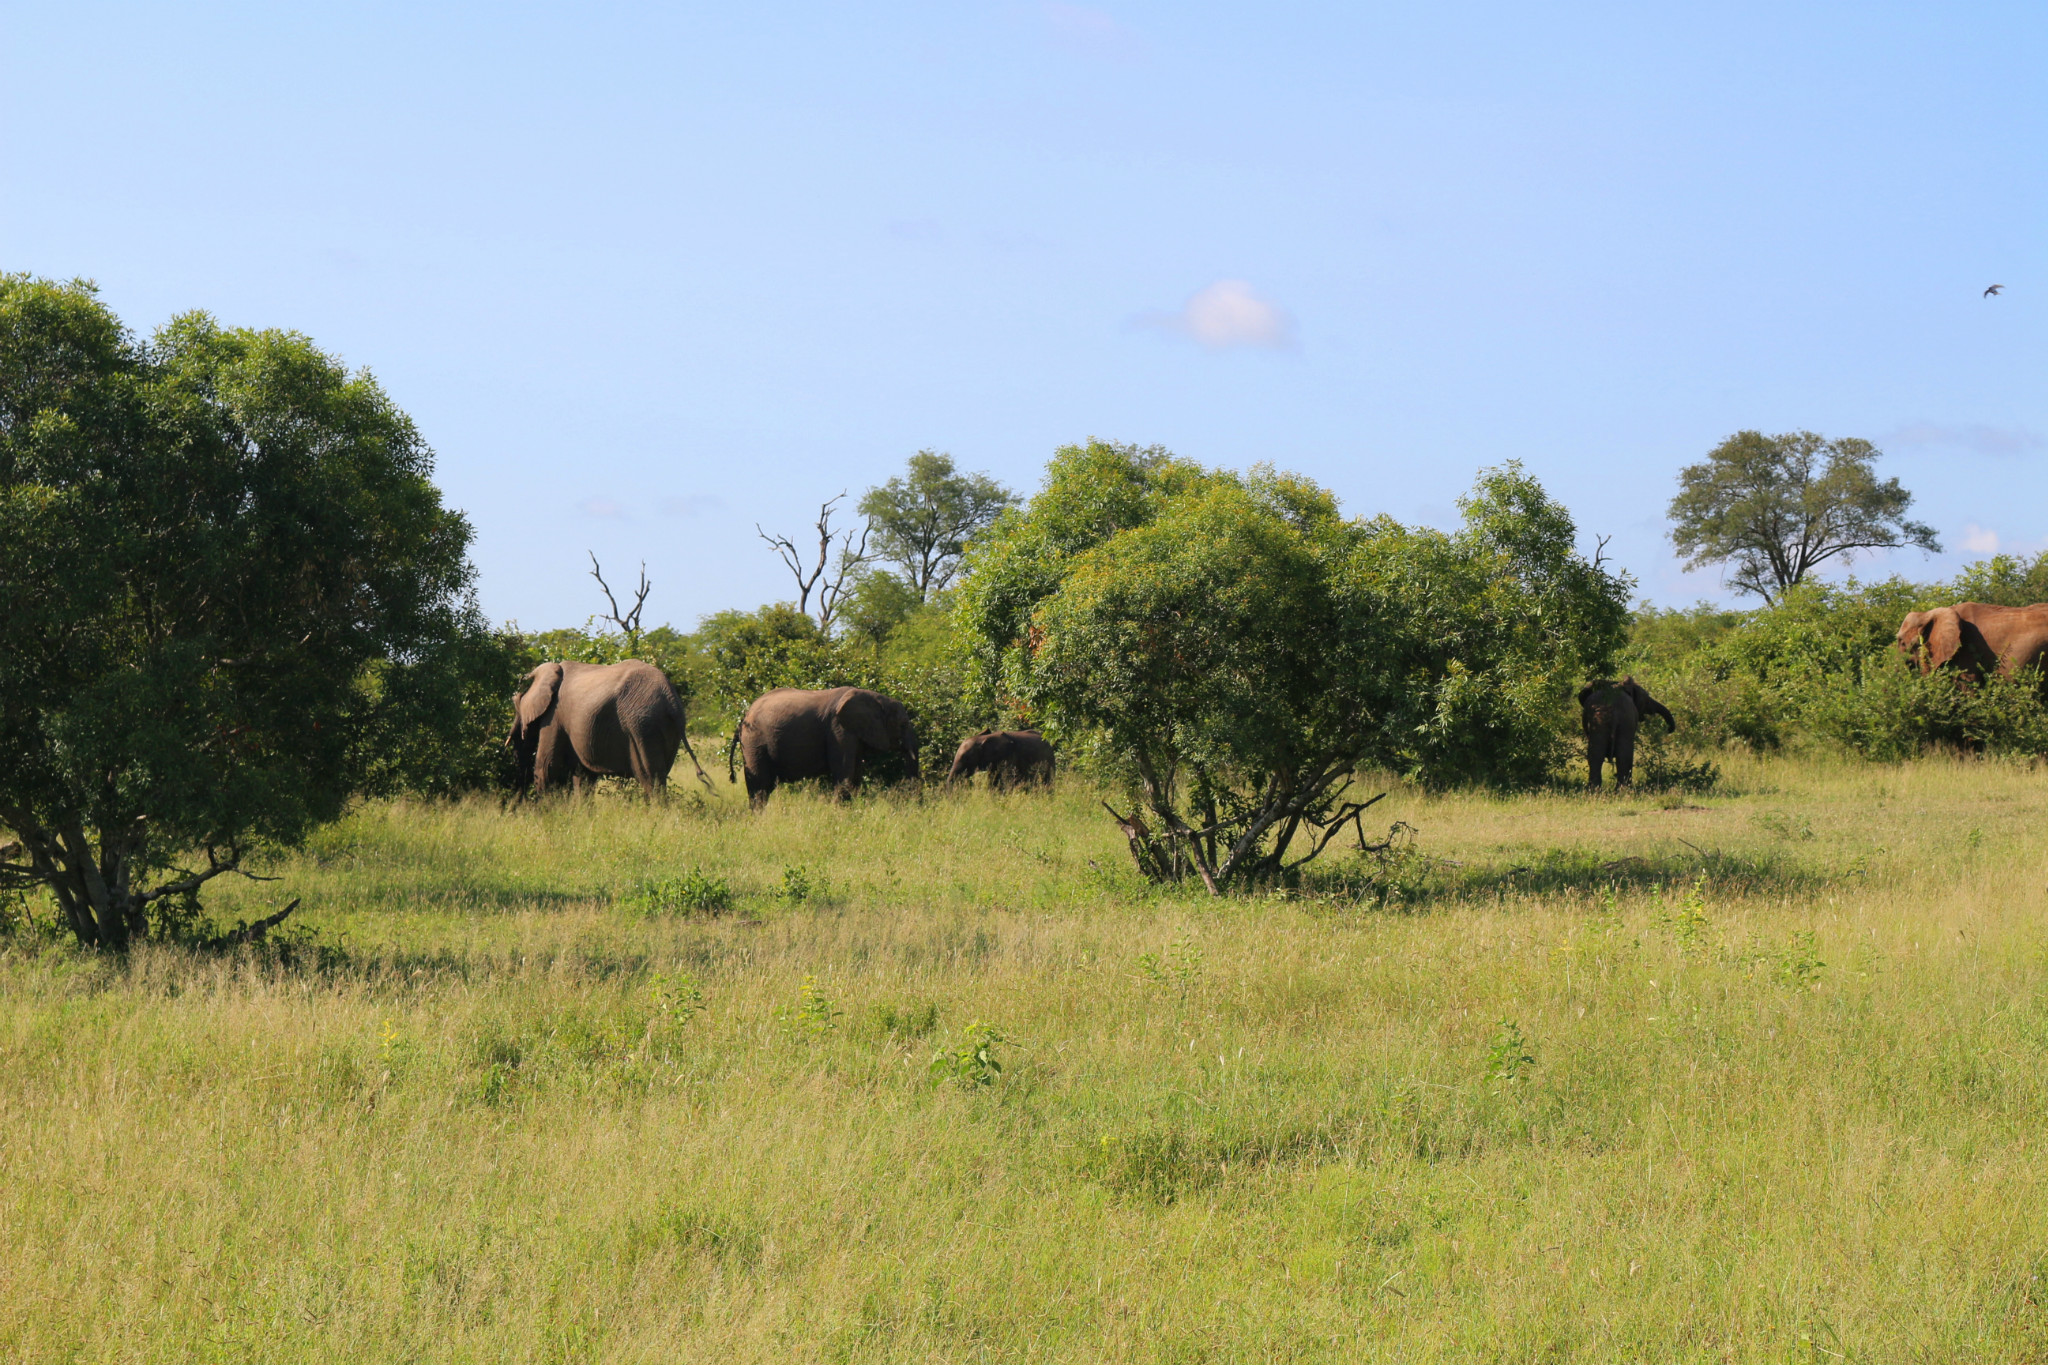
<point x="1757" y="1075"/>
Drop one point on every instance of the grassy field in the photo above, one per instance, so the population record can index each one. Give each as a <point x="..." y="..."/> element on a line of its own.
<point x="1760" y="1075"/>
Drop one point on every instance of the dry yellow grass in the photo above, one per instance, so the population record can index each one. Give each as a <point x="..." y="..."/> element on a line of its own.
<point x="496" y="1128"/>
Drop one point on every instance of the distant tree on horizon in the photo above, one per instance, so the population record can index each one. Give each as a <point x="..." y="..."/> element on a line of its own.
<point x="1774" y="508"/>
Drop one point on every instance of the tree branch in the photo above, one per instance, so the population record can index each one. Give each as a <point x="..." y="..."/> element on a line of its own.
<point x="628" y="623"/>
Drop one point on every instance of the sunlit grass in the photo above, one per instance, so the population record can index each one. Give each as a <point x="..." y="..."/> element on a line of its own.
<point x="1788" y="1092"/>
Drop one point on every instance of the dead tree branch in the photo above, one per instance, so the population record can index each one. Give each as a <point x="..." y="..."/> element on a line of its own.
<point x="628" y="622"/>
<point x="253" y="933"/>
<point x="816" y="578"/>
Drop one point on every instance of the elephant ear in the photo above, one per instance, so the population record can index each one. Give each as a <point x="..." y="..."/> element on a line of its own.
<point x="859" y="713"/>
<point x="1944" y="635"/>
<point x="539" y="697"/>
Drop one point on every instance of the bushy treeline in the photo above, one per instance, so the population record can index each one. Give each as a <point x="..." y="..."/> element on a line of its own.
<point x="1204" y="632"/>
<point x="1821" y="667"/>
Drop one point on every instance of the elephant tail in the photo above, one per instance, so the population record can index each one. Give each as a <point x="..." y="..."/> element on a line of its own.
<point x="731" y="747"/>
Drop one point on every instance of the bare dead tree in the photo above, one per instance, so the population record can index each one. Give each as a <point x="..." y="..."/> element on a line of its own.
<point x="628" y="622"/>
<point x="1600" y="552"/>
<point x="818" y="576"/>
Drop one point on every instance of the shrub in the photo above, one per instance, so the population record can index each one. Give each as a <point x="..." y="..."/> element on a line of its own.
<point x="695" y="892"/>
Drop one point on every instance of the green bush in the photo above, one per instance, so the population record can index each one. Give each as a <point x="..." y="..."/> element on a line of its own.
<point x="695" y="892"/>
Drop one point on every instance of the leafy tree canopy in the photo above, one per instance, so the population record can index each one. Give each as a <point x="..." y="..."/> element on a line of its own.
<point x="1235" y="648"/>
<point x="1776" y="507"/>
<point x="228" y="592"/>
<point x="923" y="520"/>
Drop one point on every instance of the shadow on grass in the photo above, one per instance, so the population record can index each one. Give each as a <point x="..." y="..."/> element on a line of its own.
<point x="1408" y="880"/>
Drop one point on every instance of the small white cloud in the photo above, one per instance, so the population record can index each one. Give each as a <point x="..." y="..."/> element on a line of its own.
<point x="1090" y="33"/>
<point x="600" y="507"/>
<point x="1984" y="440"/>
<point x="1979" y="540"/>
<point x="691" y="505"/>
<point x="1228" y="313"/>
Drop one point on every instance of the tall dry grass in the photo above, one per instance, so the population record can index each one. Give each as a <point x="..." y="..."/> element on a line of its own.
<point x="1784" y="1092"/>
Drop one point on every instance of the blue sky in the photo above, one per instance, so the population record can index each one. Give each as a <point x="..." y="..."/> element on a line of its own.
<point x="647" y="276"/>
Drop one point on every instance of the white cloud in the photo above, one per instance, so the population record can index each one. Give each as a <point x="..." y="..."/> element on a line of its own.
<point x="1090" y="32"/>
<point x="1228" y="313"/>
<point x="1984" y="440"/>
<point x="1979" y="540"/>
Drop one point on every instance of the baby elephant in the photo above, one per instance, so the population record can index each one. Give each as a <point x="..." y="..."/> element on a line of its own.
<point x="1610" y="712"/>
<point x="1010" y="758"/>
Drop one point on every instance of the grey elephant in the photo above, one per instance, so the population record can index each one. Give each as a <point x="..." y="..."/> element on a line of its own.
<point x="1011" y="758"/>
<point x="576" y="720"/>
<point x="793" y="733"/>
<point x="1610" y="713"/>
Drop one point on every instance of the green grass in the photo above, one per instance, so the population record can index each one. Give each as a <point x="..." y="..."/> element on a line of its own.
<point x="1760" y="1075"/>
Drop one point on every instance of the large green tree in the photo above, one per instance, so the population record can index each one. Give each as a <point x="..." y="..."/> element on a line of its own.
<point x="1774" y="508"/>
<point x="1236" y="649"/>
<point x="229" y="594"/>
<point x="922" y="521"/>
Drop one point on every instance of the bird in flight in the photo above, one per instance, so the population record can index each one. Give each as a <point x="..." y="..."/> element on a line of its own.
<point x="1994" y="289"/>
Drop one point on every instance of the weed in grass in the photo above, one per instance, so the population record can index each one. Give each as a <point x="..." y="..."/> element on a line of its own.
<point x="676" y="999"/>
<point x="695" y="892"/>
<point x="1799" y="965"/>
<point x="802" y="885"/>
<point x="973" y="1062"/>
<point x="1508" y="1057"/>
<point x="813" y="1016"/>
<point x="729" y="1240"/>
<point x="1176" y="971"/>
<point x="905" y="1021"/>
<point x="1783" y="824"/>
<point x="1687" y="921"/>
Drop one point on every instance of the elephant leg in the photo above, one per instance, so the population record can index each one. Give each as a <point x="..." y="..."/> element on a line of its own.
<point x="643" y="770"/>
<point x="1624" y="760"/>
<point x="1596" y="758"/>
<point x="842" y="759"/>
<point x="760" y="785"/>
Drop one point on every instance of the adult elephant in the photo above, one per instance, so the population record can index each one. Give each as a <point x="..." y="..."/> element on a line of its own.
<point x="793" y="733"/>
<point x="576" y="720"/>
<point x="1011" y="758"/>
<point x="1976" y="637"/>
<point x="1610" y="713"/>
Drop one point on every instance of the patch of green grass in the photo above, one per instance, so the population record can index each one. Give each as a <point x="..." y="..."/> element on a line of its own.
<point x="1752" y="1075"/>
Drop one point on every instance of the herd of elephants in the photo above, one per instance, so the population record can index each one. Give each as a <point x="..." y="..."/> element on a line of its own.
<point x="574" y="720"/>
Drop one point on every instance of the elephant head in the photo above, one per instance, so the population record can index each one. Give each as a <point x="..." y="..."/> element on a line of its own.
<point x="881" y="724"/>
<point x="530" y="715"/>
<point x="972" y="756"/>
<point x="1647" y="705"/>
<point x="1931" y="637"/>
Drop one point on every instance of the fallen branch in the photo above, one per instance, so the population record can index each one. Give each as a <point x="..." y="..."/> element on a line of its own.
<point x="253" y="933"/>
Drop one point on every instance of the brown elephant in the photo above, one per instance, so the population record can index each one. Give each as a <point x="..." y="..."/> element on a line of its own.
<point x="1011" y="758"/>
<point x="577" y="720"/>
<point x="1610" y="713"/>
<point x="794" y="733"/>
<point x="1976" y="637"/>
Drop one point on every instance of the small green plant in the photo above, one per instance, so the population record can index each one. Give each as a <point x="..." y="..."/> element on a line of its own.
<point x="1784" y="824"/>
<point x="676" y="1000"/>
<point x="1799" y="965"/>
<point x="813" y="1015"/>
<point x="695" y="892"/>
<point x="1687" y="921"/>
<point x="973" y="1063"/>
<point x="1177" y="970"/>
<point x="906" y="1021"/>
<point x="1508" y="1058"/>
<point x="800" y="885"/>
